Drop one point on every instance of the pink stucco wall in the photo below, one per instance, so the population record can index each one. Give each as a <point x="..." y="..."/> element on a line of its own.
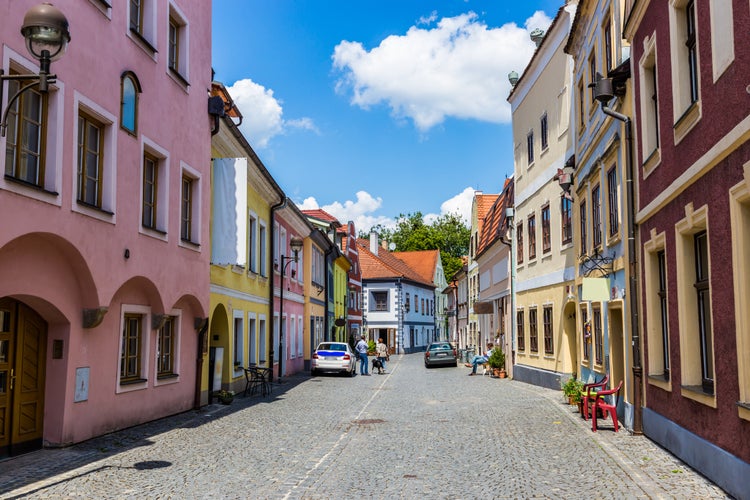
<point x="61" y="259"/>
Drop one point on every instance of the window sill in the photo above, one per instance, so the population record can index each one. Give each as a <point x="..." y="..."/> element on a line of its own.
<point x="154" y="233"/>
<point x="660" y="381"/>
<point x="143" y="43"/>
<point x="743" y="410"/>
<point x="94" y="211"/>
<point x="31" y="190"/>
<point x="179" y="78"/>
<point x="190" y="245"/>
<point x="687" y="121"/>
<point x="696" y="394"/>
<point x="652" y="161"/>
<point x="167" y="378"/>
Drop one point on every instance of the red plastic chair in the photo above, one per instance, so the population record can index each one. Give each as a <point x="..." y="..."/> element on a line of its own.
<point x="588" y="394"/>
<point x="600" y="403"/>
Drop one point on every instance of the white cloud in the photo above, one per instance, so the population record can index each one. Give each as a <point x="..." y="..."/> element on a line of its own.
<point x="457" y="68"/>
<point x="262" y="113"/>
<point x="363" y="211"/>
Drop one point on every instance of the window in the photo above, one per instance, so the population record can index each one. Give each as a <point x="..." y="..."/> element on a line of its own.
<point x="740" y="224"/>
<point x="663" y="312"/>
<point x="26" y="135"/>
<point x="546" y="236"/>
<point x="519" y="242"/>
<point x="520" y="338"/>
<point x="544" y="132"/>
<point x="300" y="336"/>
<point x="598" y="334"/>
<point x="613" y="204"/>
<point x="566" y="214"/>
<point x="150" y="190"/>
<point x="142" y="24"/>
<point x="693" y="295"/>
<point x="684" y="50"/>
<point x="238" y="346"/>
<point x="165" y="357"/>
<point x="293" y="337"/>
<point x="703" y="303"/>
<point x="262" y="347"/>
<point x="262" y="269"/>
<point x="547" y="322"/>
<point x="90" y="160"/>
<point x="416" y="303"/>
<point x="380" y="301"/>
<point x="131" y="355"/>
<point x="581" y="107"/>
<point x="190" y="203"/>
<point x="252" y="338"/>
<point x="607" y="34"/>
<point x="407" y="305"/>
<point x="530" y="147"/>
<point x="533" y="333"/>
<point x="592" y="77"/>
<point x="177" y="45"/>
<point x="532" y="236"/>
<point x="130" y="90"/>
<point x="585" y="332"/>
<point x="584" y="236"/>
<point x="252" y="243"/>
<point x="649" y="102"/>
<point x="596" y="217"/>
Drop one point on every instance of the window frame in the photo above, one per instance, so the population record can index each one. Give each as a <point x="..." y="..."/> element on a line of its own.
<point x="596" y="218"/>
<point x="194" y="220"/>
<point x="531" y="227"/>
<point x="549" y="347"/>
<point x="12" y="132"/>
<point x="530" y="148"/>
<point x="583" y="226"/>
<point x="82" y="171"/>
<point x="520" y="331"/>
<point x="598" y="332"/>
<point x="533" y="331"/>
<point x="169" y="374"/>
<point x="127" y="100"/>
<point x="566" y="217"/>
<point x="613" y="202"/>
<point x="178" y="63"/>
<point x="546" y="230"/>
<point x="544" y="132"/>
<point x="138" y="379"/>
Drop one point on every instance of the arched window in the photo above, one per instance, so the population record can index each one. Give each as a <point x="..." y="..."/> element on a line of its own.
<point x="130" y="88"/>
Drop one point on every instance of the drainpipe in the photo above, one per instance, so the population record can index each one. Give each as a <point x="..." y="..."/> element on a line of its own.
<point x="274" y="208"/>
<point x="201" y="325"/>
<point x="633" y="267"/>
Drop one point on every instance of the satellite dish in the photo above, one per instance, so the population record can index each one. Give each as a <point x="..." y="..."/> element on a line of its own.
<point x="391" y="246"/>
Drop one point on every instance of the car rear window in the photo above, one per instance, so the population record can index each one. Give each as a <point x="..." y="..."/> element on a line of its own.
<point x="332" y="347"/>
<point x="436" y="347"/>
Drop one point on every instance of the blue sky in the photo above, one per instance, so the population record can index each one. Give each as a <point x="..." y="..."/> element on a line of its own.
<point x="371" y="109"/>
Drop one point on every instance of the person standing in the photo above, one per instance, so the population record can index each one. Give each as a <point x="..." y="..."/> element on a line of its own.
<point x="361" y="348"/>
<point x="381" y="350"/>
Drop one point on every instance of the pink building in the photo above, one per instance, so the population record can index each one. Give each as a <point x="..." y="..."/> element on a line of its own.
<point x="104" y="245"/>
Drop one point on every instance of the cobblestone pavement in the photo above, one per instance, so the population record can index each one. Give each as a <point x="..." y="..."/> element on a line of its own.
<point x="410" y="433"/>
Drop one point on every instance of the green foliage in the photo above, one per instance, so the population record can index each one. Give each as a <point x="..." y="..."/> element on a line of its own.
<point x="370" y="345"/>
<point x="446" y="233"/>
<point x="572" y="388"/>
<point x="497" y="358"/>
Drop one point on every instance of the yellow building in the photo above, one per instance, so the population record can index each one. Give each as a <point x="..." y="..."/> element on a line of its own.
<point x="243" y="194"/>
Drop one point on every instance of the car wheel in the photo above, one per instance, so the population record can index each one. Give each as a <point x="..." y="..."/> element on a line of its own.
<point x="313" y="373"/>
<point x="455" y="364"/>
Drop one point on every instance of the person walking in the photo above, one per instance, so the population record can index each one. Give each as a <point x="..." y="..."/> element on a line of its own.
<point x="381" y="351"/>
<point x="361" y="348"/>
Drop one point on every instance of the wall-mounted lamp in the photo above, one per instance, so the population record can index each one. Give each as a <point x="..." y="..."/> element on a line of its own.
<point x="45" y="29"/>
<point x="296" y="245"/>
<point x="513" y="78"/>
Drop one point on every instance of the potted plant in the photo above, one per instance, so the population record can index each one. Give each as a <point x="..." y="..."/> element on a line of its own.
<point x="497" y="362"/>
<point x="572" y="389"/>
<point x="225" y="397"/>
<point x="371" y="348"/>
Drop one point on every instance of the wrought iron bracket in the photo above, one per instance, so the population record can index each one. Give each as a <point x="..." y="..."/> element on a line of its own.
<point x="597" y="262"/>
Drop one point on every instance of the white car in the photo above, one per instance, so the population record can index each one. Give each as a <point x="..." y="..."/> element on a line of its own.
<point x="334" y="357"/>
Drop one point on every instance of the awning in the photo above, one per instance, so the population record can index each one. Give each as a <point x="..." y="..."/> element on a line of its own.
<point x="483" y="308"/>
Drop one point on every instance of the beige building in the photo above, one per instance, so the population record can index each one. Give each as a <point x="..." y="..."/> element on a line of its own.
<point x="545" y="325"/>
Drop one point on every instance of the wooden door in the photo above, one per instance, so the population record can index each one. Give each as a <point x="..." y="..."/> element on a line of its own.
<point x="23" y="339"/>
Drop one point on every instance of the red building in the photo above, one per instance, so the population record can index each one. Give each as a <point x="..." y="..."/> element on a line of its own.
<point x="691" y="66"/>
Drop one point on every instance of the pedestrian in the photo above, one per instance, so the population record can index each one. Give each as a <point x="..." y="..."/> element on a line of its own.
<point x="382" y="352"/>
<point x="479" y="359"/>
<point x="361" y="348"/>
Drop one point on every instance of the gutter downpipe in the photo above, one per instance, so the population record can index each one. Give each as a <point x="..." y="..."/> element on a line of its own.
<point x="633" y="267"/>
<point x="274" y="208"/>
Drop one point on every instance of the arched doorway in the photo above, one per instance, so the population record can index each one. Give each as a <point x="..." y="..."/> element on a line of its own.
<point x="23" y="349"/>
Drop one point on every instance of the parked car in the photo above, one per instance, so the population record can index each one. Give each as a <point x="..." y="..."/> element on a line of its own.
<point x="335" y="357"/>
<point x="440" y="354"/>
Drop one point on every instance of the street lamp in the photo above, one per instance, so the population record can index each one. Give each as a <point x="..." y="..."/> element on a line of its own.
<point x="296" y="245"/>
<point x="45" y="29"/>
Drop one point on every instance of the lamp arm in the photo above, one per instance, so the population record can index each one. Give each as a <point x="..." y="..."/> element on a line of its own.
<point x="37" y="78"/>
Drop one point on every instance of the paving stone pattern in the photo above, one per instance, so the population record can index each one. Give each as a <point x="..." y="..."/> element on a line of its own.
<point x="411" y="433"/>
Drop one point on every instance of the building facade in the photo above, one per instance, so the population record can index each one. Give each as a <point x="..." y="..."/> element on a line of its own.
<point x="107" y="179"/>
<point x="690" y="65"/>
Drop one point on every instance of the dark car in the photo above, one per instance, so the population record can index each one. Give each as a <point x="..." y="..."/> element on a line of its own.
<point x="440" y="354"/>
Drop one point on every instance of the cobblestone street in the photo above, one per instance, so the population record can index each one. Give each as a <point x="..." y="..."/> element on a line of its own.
<point x="410" y="433"/>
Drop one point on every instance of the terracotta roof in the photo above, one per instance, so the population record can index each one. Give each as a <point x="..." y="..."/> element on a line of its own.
<point x="385" y="265"/>
<point x="494" y="222"/>
<point x="320" y="214"/>
<point x="423" y="262"/>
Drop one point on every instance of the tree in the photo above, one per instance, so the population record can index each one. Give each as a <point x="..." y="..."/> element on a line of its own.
<point x="447" y="233"/>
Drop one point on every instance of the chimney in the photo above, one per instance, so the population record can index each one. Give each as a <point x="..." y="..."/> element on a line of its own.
<point x="374" y="242"/>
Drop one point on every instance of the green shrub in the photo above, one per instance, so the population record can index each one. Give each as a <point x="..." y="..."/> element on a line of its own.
<point x="572" y="389"/>
<point x="497" y="358"/>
